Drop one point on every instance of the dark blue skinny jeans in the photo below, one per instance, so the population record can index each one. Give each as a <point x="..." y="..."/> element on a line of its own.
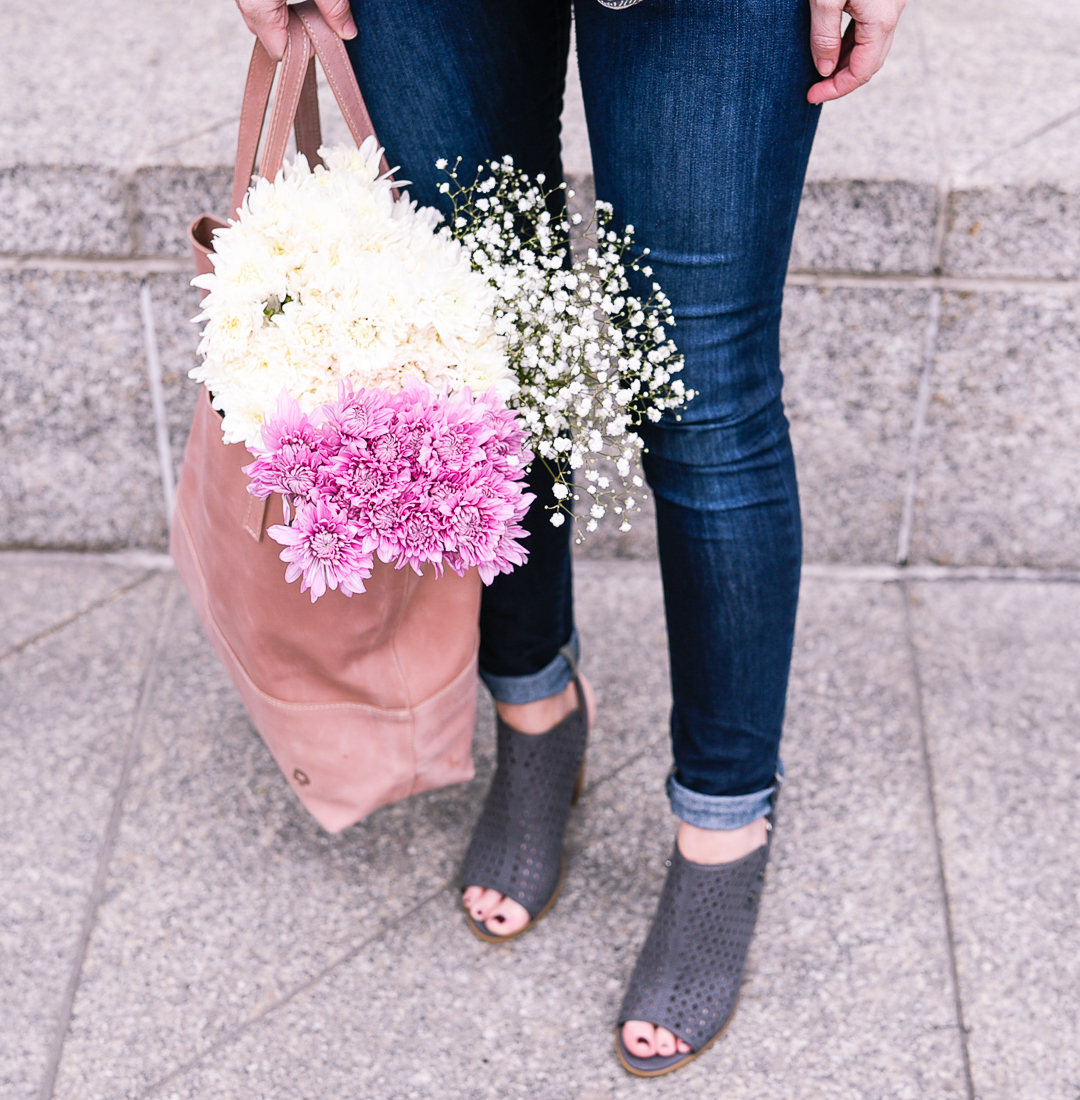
<point x="700" y="134"/>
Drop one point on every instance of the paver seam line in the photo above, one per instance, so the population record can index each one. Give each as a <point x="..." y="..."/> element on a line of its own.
<point x="139" y="266"/>
<point x="901" y="280"/>
<point x="922" y="404"/>
<point x="632" y="759"/>
<point x="134" y="558"/>
<point x="157" y="401"/>
<point x="951" y="574"/>
<point x="295" y="992"/>
<point x="932" y="806"/>
<point x="146" y="266"/>
<point x="943" y="184"/>
<point x="112" y="829"/>
<point x="1068" y="116"/>
<point x="188" y="137"/>
<point x="882" y="572"/>
<point x="112" y="597"/>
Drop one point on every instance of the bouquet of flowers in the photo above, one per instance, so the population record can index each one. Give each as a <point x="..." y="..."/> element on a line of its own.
<point x="395" y="379"/>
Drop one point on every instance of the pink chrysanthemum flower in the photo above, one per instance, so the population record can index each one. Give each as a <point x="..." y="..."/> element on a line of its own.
<point x="359" y="475"/>
<point x="291" y="426"/>
<point x="322" y="548"/>
<point x="422" y="537"/>
<point x="295" y="471"/>
<point x="360" y="414"/>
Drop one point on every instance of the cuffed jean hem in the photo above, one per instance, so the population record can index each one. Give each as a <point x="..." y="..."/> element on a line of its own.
<point x="550" y="680"/>
<point x="718" y="811"/>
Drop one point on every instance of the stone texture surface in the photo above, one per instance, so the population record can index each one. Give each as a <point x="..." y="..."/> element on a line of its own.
<point x="80" y="466"/>
<point x="169" y="199"/>
<point x="966" y="43"/>
<point x="998" y="483"/>
<point x="68" y="706"/>
<point x="1025" y="231"/>
<point x="851" y="364"/>
<point x="423" y="1009"/>
<point x="164" y="76"/>
<point x="225" y="895"/>
<point x="1002" y="707"/>
<point x="81" y="210"/>
<point x="42" y="593"/>
<point x="865" y="226"/>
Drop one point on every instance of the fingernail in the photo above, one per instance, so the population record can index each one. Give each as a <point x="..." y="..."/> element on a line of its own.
<point x="350" y="30"/>
<point x="825" y="66"/>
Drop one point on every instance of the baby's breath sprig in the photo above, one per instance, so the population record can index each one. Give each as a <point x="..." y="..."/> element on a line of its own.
<point x="592" y="359"/>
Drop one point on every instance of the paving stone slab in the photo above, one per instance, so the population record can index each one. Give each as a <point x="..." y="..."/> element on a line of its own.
<point x="986" y="133"/>
<point x="223" y="893"/>
<point x="82" y="210"/>
<point x="80" y="464"/>
<point x="999" y="483"/>
<point x="62" y="752"/>
<point x="1002" y="705"/>
<point x="866" y="226"/>
<point x="41" y="592"/>
<point x="851" y="360"/>
<point x="1025" y="231"/>
<point x="424" y="1009"/>
<point x="169" y="199"/>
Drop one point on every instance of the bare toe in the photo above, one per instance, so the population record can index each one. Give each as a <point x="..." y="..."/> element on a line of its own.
<point x="471" y="895"/>
<point x="507" y="918"/>
<point x="665" y="1042"/>
<point x="483" y="903"/>
<point x="639" y="1038"/>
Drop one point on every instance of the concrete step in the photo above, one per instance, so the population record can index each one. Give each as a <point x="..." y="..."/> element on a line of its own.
<point x="931" y="320"/>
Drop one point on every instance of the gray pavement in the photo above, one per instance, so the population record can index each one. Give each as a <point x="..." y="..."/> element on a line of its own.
<point x="172" y="923"/>
<point x="175" y="925"/>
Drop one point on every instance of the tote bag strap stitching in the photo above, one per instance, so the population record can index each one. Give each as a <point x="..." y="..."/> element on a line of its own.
<point x="260" y="79"/>
<point x="290" y="84"/>
<point x="339" y="74"/>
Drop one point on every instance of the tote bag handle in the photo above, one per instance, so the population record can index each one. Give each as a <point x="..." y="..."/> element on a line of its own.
<point x="296" y="106"/>
<point x="296" y="103"/>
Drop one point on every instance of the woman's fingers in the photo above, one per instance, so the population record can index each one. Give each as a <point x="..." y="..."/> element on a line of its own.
<point x="269" y="19"/>
<point x="338" y="14"/>
<point x="850" y="61"/>
<point x="825" y="34"/>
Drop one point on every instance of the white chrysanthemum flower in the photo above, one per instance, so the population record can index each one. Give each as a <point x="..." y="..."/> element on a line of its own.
<point x="325" y="277"/>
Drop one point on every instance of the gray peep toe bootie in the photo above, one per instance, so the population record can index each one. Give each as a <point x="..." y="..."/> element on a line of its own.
<point x="688" y="974"/>
<point x="517" y="846"/>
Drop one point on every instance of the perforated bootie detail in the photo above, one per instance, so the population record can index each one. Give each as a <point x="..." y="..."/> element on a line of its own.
<point x="517" y="846"/>
<point x="688" y="975"/>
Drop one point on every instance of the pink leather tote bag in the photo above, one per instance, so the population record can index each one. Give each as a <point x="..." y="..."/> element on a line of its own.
<point x="362" y="701"/>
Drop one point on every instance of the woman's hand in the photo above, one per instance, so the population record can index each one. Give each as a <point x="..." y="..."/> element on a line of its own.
<point x="269" y="19"/>
<point x="850" y="61"/>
